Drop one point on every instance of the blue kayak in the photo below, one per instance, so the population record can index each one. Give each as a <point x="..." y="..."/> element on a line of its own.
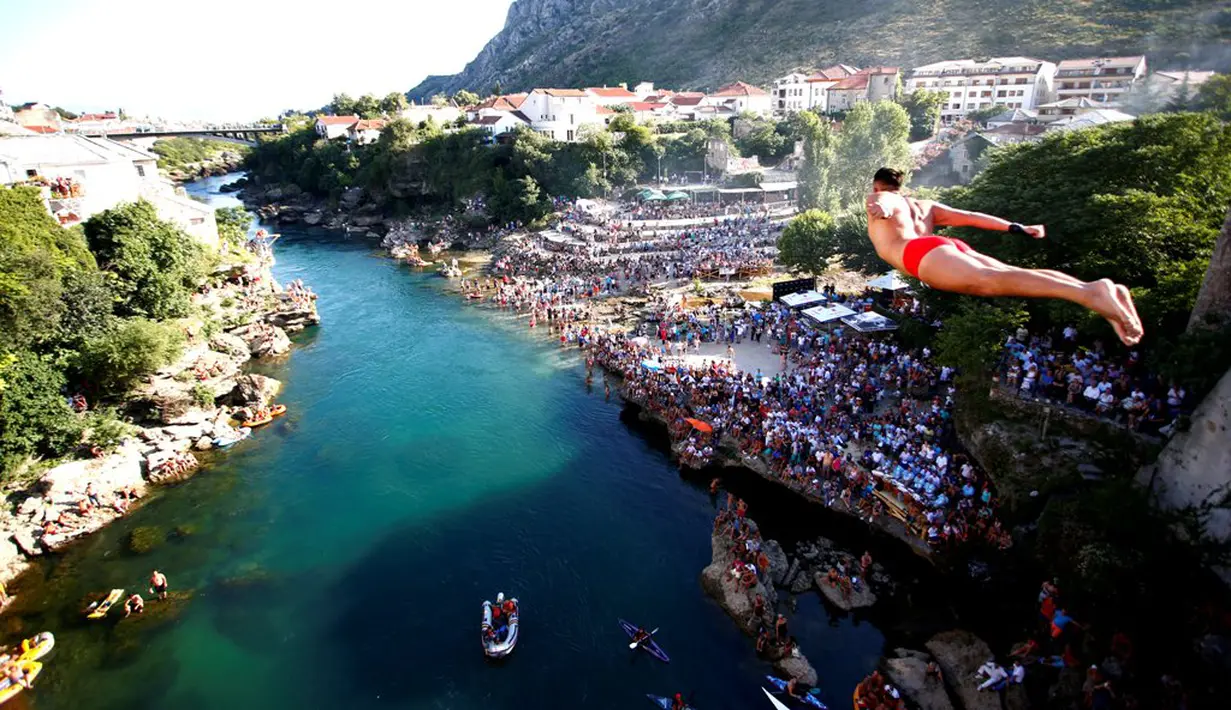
<point x="649" y="645"/>
<point x="810" y="698"/>
<point x="664" y="703"/>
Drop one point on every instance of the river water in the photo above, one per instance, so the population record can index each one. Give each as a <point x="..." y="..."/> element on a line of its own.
<point x="432" y="455"/>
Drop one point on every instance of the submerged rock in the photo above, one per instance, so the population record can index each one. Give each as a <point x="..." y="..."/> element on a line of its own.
<point x="146" y="538"/>
<point x="857" y="598"/>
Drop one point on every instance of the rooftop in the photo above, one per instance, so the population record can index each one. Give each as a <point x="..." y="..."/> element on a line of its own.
<point x="1096" y="117"/>
<point x="337" y="120"/>
<point x="561" y="93"/>
<point x="66" y="149"/>
<point x="994" y="65"/>
<point x="1100" y="63"/>
<point x="612" y="92"/>
<point x="740" y="88"/>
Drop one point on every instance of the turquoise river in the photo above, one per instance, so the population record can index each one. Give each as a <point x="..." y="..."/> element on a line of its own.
<point x="433" y="454"/>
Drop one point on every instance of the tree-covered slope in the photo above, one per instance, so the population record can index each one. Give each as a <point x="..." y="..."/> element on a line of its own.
<point x="705" y="43"/>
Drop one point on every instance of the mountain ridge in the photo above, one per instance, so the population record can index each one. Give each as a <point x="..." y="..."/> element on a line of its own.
<point x="702" y="44"/>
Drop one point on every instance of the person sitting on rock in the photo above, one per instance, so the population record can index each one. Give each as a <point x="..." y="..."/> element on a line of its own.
<point x="932" y="672"/>
<point x="134" y="605"/>
<point x="798" y="689"/>
<point x="780" y="630"/>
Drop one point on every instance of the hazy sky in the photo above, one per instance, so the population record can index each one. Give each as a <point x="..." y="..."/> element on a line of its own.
<point x="231" y="59"/>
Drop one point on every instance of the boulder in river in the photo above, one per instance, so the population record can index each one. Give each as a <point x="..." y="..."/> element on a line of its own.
<point x="856" y="599"/>
<point x="229" y="344"/>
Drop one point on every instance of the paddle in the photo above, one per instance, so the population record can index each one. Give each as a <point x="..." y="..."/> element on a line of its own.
<point x="635" y="644"/>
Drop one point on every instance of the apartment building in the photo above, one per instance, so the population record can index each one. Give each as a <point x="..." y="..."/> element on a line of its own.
<point x="1009" y="82"/>
<point x="1104" y="80"/>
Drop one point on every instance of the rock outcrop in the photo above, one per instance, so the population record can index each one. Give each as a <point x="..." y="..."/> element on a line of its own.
<point x="960" y="653"/>
<point x="858" y="597"/>
<point x="908" y="672"/>
<point x="254" y="390"/>
<point x="718" y="581"/>
<point x="1194" y="469"/>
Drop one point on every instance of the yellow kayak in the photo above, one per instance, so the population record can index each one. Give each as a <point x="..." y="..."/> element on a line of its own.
<point x="8" y="689"/>
<point x="35" y="648"/>
<point x="98" y="610"/>
<point x="275" y="411"/>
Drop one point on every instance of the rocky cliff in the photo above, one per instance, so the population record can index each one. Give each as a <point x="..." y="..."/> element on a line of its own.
<point x="705" y="43"/>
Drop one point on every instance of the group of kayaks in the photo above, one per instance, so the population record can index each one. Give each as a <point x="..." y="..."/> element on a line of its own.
<point x="29" y="661"/>
<point x="500" y="638"/>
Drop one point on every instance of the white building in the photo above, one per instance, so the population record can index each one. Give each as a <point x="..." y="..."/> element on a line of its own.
<point x="1066" y="108"/>
<point x="366" y="131"/>
<point x="1089" y="119"/>
<point x="560" y="113"/>
<point x="1104" y="80"/>
<point x="792" y="93"/>
<point x="743" y="97"/>
<point x="1010" y="82"/>
<point x="499" y="123"/>
<point x="330" y="127"/>
<point x="495" y="105"/>
<point x="871" y="84"/>
<point x="6" y="112"/>
<point x="440" y="115"/>
<point x="102" y="173"/>
<point x="644" y="90"/>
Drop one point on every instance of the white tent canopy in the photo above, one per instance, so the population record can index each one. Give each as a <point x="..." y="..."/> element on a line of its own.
<point x="870" y="322"/>
<point x="891" y="281"/>
<point x="824" y="314"/>
<point x="802" y="298"/>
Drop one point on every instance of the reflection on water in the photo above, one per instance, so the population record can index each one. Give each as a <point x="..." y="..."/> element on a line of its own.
<point x="428" y="460"/>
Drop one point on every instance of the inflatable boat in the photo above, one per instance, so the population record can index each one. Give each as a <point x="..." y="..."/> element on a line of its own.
<point x="499" y="642"/>
<point x="8" y="688"/>
<point x="35" y="648"/>
<point x="99" y="609"/>
<point x="275" y="411"/>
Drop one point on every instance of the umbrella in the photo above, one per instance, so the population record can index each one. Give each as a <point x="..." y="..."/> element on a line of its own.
<point x="677" y="195"/>
<point x="700" y="425"/>
<point x="891" y="281"/>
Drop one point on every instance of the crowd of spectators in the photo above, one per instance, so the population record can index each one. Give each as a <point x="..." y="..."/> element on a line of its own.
<point x="1112" y="384"/>
<point x="857" y="422"/>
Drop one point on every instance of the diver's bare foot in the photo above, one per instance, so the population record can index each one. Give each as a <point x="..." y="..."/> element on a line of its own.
<point x="1125" y="297"/>
<point x="1106" y="300"/>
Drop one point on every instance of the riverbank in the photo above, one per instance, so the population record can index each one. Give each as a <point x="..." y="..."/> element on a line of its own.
<point x="182" y="410"/>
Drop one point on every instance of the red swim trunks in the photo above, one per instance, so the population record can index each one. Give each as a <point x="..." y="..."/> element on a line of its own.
<point x="919" y="247"/>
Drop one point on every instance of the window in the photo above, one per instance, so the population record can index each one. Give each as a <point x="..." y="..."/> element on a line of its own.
<point x="1002" y="93"/>
<point x="31" y="173"/>
<point x="971" y="107"/>
<point x="570" y="136"/>
<point x="957" y="107"/>
<point x="1019" y="81"/>
<point x="140" y="171"/>
<point x="197" y="220"/>
<point x="986" y="94"/>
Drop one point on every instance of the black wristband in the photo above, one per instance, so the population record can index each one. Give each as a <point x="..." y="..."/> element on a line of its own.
<point x="1016" y="228"/>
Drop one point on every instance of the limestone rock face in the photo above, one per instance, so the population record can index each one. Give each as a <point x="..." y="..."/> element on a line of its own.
<point x="229" y="344"/>
<point x="778" y="564"/>
<point x="1194" y="470"/>
<point x="857" y="599"/>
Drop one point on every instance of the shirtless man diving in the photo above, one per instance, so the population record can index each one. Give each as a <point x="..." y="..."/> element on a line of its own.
<point x="902" y="230"/>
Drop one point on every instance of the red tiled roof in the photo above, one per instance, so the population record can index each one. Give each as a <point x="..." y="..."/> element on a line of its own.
<point x="106" y="116"/>
<point x="337" y="120"/>
<point x="374" y="124"/>
<point x="877" y="71"/>
<point x="854" y="81"/>
<point x="682" y="100"/>
<point x="739" y="88"/>
<point x="515" y="100"/>
<point x="489" y="120"/>
<point x="612" y="92"/>
<point x="563" y="93"/>
<point x="603" y="110"/>
<point x="644" y="105"/>
<point x="43" y="129"/>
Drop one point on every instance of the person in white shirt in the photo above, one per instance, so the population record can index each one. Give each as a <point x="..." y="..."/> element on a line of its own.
<point x="1105" y="402"/>
<point x="1018" y="674"/>
<point x="1092" y="394"/>
<point x="995" y="674"/>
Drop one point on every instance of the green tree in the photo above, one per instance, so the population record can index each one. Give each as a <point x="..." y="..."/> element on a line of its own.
<point x="971" y="338"/>
<point x="924" y="108"/>
<point x="440" y="100"/>
<point x="233" y="223"/>
<point x="157" y="266"/>
<point x="807" y="242"/>
<point x="368" y="106"/>
<point x="815" y="188"/>
<point x="35" y="419"/>
<point x="980" y="116"/>
<point x="35" y="255"/>
<point x="127" y="350"/>
<point x="873" y="135"/>
<point x="1214" y="96"/>
<point x="765" y="141"/>
<point x="466" y="98"/>
<point x="393" y="103"/>
<point x="342" y="105"/>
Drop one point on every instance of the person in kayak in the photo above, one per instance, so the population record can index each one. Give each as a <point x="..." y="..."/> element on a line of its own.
<point x="158" y="584"/>
<point x="510" y="608"/>
<point x="640" y="636"/>
<point x="677" y="702"/>
<point x="798" y="689"/>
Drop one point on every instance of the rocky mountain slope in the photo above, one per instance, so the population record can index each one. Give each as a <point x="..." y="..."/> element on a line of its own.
<point x="705" y="43"/>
